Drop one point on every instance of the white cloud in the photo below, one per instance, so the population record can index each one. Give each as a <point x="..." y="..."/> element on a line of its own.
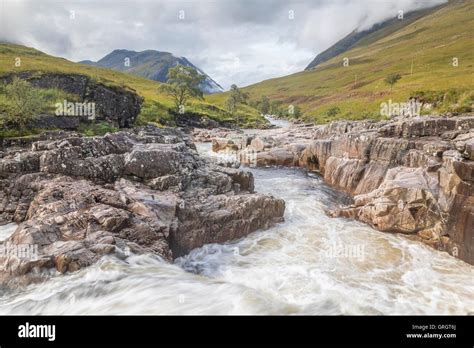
<point x="233" y="41"/>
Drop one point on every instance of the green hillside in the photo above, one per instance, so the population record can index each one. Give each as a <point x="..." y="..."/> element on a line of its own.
<point x="377" y="31"/>
<point x="156" y="105"/>
<point x="421" y="52"/>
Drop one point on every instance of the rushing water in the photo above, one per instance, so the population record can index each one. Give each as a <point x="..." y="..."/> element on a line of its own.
<point x="278" y="122"/>
<point x="310" y="264"/>
<point x="6" y="231"/>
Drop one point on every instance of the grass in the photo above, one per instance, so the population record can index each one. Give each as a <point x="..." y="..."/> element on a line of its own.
<point x="156" y="105"/>
<point x="50" y="96"/>
<point x="422" y="52"/>
<point x="17" y="133"/>
<point x="98" y="128"/>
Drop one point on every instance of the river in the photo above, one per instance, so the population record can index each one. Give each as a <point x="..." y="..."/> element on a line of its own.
<point x="278" y="122"/>
<point x="309" y="264"/>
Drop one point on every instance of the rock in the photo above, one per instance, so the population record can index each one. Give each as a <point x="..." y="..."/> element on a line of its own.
<point x="77" y="199"/>
<point x="165" y="182"/>
<point x="189" y="120"/>
<point x="414" y="176"/>
<point x="242" y="178"/>
<point x="219" y="144"/>
<point x="404" y="202"/>
<point x="224" y="218"/>
<point x="204" y="135"/>
<point x="261" y="143"/>
<point x="110" y="218"/>
<point x="464" y="143"/>
<point x="114" y="104"/>
<point x="45" y="121"/>
<point x="276" y="157"/>
<point x="153" y="160"/>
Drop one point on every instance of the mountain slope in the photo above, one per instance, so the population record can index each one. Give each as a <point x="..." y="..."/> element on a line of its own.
<point x="151" y="64"/>
<point x="379" y="29"/>
<point x="422" y="52"/>
<point x="156" y="107"/>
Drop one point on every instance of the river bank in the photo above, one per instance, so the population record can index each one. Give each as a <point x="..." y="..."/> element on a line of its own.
<point x="409" y="175"/>
<point x="78" y="198"/>
<point x="296" y="267"/>
<point x="310" y="263"/>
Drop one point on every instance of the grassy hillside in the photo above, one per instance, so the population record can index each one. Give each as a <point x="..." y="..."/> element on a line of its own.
<point x="383" y="29"/>
<point x="422" y="52"/>
<point x="156" y="105"/>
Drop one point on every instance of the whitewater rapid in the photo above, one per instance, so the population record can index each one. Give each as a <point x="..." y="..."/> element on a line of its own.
<point x="310" y="264"/>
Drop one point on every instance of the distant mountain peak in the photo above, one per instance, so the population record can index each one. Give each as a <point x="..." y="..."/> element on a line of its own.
<point x="151" y="64"/>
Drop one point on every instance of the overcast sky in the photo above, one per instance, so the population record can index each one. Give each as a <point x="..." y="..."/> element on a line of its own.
<point x="233" y="41"/>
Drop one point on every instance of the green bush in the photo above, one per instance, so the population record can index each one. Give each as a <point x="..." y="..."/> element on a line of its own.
<point x="155" y="113"/>
<point x="392" y="79"/>
<point x="333" y="111"/>
<point x="23" y="103"/>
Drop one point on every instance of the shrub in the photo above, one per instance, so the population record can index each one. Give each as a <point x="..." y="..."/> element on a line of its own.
<point x="24" y="103"/>
<point x="392" y="79"/>
<point x="333" y="111"/>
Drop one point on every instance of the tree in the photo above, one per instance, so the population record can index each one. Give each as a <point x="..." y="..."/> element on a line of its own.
<point x="264" y="105"/>
<point x="275" y="108"/>
<point x="240" y="97"/>
<point x="392" y="79"/>
<point x="182" y="83"/>
<point x="25" y="102"/>
<point x="231" y="104"/>
<point x="236" y="96"/>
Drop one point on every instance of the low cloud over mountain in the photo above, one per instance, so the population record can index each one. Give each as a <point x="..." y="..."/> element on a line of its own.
<point x="234" y="42"/>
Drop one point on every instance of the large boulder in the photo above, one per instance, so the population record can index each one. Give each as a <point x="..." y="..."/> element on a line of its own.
<point x="221" y="218"/>
<point x="77" y="199"/>
<point x="406" y="202"/>
<point x="115" y="104"/>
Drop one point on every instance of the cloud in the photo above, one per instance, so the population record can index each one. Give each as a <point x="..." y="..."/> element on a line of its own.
<point x="240" y="42"/>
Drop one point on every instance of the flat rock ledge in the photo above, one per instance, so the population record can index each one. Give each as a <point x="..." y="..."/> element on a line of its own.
<point x="412" y="175"/>
<point x="77" y="199"/>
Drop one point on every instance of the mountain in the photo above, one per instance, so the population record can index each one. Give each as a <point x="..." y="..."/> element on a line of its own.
<point x="385" y="28"/>
<point x="433" y="53"/>
<point x="151" y="64"/>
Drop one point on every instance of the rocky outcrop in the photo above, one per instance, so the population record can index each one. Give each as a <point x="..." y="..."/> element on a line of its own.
<point x="190" y="120"/>
<point x="204" y="135"/>
<point x="114" y="104"/>
<point x="78" y="198"/>
<point x="412" y="176"/>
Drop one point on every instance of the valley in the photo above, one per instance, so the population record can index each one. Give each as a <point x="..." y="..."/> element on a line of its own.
<point x="136" y="184"/>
